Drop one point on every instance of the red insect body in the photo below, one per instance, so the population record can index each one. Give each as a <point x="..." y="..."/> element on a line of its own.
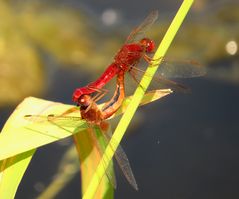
<point x="135" y="48"/>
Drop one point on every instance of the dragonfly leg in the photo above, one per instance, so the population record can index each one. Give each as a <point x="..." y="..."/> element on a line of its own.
<point x="151" y="61"/>
<point x="101" y="93"/>
<point x="133" y="73"/>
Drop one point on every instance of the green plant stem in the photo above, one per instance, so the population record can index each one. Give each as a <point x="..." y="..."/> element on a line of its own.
<point x="138" y="95"/>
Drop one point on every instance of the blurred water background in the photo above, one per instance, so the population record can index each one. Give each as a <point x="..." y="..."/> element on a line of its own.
<point x="49" y="48"/>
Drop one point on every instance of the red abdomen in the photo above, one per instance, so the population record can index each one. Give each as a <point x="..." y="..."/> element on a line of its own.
<point x="109" y="73"/>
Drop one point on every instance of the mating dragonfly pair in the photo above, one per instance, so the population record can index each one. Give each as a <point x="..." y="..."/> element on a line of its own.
<point x="137" y="48"/>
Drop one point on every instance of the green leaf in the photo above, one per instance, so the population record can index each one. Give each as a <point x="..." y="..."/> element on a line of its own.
<point x="19" y="139"/>
<point x="20" y="135"/>
<point x="11" y="173"/>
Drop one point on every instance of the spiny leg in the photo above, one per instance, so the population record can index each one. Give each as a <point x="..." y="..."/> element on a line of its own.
<point x="151" y="61"/>
<point x="101" y="93"/>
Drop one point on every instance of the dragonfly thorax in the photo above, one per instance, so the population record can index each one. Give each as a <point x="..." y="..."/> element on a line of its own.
<point x="129" y="55"/>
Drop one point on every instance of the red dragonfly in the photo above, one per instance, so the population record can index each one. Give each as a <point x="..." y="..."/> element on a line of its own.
<point x="134" y="49"/>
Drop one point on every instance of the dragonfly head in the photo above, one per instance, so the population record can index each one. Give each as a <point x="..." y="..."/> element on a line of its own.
<point x="79" y="93"/>
<point x="84" y="101"/>
<point x="148" y="44"/>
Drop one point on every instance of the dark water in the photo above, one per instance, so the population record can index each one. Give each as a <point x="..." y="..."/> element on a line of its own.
<point x="196" y="156"/>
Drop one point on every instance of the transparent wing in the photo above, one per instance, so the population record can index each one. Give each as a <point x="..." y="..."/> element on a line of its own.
<point x="170" y="69"/>
<point x="181" y="69"/>
<point x="158" y="81"/>
<point x="139" y="32"/>
<point x="59" y="120"/>
<point x="123" y="163"/>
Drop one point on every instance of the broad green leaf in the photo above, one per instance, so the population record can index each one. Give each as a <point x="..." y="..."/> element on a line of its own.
<point x="18" y="142"/>
<point x="11" y="173"/>
<point x="20" y="135"/>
